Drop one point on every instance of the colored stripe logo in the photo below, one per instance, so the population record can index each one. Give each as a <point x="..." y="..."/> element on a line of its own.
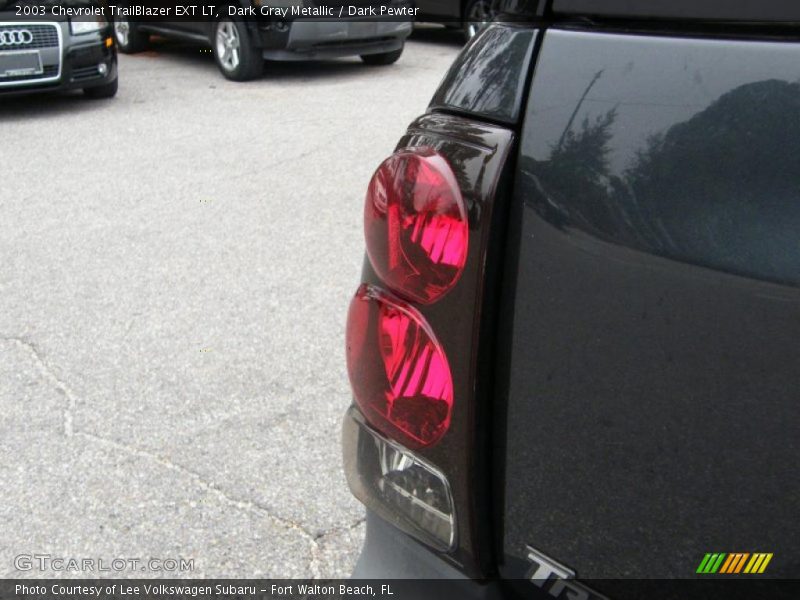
<point x="734" y="563"/>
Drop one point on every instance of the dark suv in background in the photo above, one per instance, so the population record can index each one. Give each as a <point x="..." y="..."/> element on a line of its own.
<point x="241" y="44"/>
<point x="40" y="51"/>
<point x="573" y="353"/>
<point x="468" y="15"/>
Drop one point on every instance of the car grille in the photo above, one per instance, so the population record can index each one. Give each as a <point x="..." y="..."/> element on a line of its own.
<point x="44" y="36"/>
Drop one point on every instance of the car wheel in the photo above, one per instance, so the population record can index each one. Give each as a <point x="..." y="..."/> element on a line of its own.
<point x="107" y="90"/>
<point x="477" y="15"/>
<point x="128" y="36"/>
<point x="236" y="57"/>
<point x="384" y="58"/>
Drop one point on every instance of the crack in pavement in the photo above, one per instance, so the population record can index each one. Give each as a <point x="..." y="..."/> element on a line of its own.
<point x="208" y="486"/>
<point x="319" y="540"/>
<point x="321" y="535"/>
<point x="47" y="373"/>
<point x="315" y="540"/>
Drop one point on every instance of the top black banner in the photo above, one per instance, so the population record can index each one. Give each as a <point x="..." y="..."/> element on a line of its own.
<point x="193" y="11"/>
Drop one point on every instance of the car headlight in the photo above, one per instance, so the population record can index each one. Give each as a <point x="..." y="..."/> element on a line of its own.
<point x="86" y="25"/>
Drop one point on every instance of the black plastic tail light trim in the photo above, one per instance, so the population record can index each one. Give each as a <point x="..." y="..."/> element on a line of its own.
<point x="477" y="153"/>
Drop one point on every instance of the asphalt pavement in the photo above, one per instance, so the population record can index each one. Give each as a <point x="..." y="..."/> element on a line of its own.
<point x="175" y="269"/>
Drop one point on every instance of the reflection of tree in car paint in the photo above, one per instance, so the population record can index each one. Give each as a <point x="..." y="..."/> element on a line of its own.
<point x="719" y="185"/>
<point x="486" y="79"/>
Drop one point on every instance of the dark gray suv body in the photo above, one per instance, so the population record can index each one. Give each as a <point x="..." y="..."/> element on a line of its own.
<point x="622" y="341"/>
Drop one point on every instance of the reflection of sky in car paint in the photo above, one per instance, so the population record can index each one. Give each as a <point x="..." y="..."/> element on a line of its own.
<point x="647" y="80"/>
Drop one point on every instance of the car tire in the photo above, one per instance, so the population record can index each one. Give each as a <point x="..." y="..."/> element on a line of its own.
<point x="107" y="90"/>
<point x="129" y="37"/>
<point x="384" y="58"/>
<point x="236" y="57"/>
<point x="477" y="15"/>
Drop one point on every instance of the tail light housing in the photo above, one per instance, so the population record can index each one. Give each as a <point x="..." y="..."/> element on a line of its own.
<point x="416" y="225"/>
<point x="415" y="441"/>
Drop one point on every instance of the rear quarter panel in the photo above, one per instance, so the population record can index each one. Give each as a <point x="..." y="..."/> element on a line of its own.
<point x="653" y="312"/>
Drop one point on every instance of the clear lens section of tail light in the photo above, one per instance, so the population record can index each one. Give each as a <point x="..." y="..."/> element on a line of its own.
<point x="398" y="371"/>
<point x="403" y="489"/>
<point x="416" y="225"/>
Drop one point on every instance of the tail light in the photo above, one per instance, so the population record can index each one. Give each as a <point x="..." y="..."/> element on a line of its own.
<point x="398" y="371"/>
<point x="416" y="225"/>
<point x="417" y="234"/>
<point x="414" y="442"/>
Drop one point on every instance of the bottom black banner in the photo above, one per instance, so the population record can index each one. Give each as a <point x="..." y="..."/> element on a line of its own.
<point x="407" y="589"/>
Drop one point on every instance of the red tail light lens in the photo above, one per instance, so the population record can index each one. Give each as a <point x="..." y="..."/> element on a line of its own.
<point x="416" y="224"/>
<point x="398" y="371"/>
